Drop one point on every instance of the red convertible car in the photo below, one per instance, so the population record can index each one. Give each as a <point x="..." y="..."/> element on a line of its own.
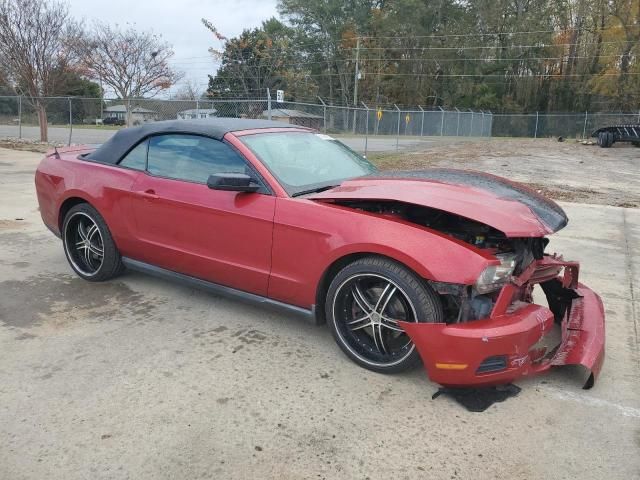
<point x="439" y="266"/>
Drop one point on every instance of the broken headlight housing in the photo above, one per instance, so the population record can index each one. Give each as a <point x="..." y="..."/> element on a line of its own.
<point x="495" y="276"/>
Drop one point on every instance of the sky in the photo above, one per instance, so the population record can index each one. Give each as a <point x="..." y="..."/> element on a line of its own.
<point x="179" y="23"/>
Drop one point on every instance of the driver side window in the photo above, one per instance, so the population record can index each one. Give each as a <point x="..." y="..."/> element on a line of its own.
<point x="192" y="158"/>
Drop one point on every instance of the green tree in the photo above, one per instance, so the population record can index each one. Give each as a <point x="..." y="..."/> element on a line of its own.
<point x="252" y="62"/>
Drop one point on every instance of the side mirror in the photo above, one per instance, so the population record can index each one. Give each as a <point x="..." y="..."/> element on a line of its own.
<point x="234" y="182"/>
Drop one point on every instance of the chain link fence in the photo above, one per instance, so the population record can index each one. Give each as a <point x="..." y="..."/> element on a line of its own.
<point x="568" y="125"/>
<point x="94" y="120"/>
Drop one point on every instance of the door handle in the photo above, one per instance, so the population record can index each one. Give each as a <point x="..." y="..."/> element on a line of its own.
<point x="149" y="194"/>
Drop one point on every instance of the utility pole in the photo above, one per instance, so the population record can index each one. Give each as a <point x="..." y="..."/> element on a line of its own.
<point x="355" y="84"/>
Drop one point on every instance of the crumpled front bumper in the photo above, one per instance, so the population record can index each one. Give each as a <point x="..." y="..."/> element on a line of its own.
<point x="506" y="346"/>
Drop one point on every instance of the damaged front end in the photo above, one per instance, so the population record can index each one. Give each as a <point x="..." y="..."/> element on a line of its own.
<point x="498" y="336"/>
<point x="495" y="331"/>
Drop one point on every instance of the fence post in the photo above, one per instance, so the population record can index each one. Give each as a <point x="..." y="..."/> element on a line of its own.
<point x="128" y="112"/>
<point x="482" y="123"/>
<point x="490" y="130"/>
<point x="324" y="114"/>
<point x="441" y="122"/>
<point x="398" y="131"/>
<point x="268" y="104"/>
<point x="471" y="127"/>
<point x="535" y="133"/>
<point x="584" y="128"/>
<point x="20" y="116"/>
<point x="366" y="131"/>
<point x="197" y="108"/>
<point x="70" y="121"/>
<point x="458" y="123"/>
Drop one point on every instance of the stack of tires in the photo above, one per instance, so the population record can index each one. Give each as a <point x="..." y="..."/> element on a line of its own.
<point x="605" y="139"/>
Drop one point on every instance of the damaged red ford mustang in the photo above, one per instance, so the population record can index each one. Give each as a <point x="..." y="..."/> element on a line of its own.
<point x="439" y="266"/>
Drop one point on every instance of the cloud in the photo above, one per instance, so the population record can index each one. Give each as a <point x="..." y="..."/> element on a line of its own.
<point x="179" y="24"/>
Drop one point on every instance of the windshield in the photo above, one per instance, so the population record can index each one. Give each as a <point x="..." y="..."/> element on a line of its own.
<point x="304" y="162"/>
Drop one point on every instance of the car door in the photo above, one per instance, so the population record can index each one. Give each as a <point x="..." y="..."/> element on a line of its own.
<point x="184" y="226"/>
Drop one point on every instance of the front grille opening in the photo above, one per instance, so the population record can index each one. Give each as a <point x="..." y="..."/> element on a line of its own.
<point x="492" y="364"/>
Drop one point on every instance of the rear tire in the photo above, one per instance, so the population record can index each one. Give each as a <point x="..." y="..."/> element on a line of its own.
<point x="89" y="246"/>
<point x="610" y="139"/>
<point x="364" y="303"/>
<point x="602" y="139"/>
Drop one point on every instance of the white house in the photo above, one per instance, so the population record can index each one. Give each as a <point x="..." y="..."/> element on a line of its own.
<point x="138" y="114"/>
<point x="193" y="113"/>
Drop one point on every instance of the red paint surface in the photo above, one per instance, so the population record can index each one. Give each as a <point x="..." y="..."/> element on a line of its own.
<point x="512" y="218"/>
<point x="282" y="247"/>
<point x="512" y="335"/>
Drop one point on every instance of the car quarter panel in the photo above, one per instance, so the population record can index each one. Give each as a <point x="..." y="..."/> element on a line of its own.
<point x="309" y="236"/>
<point x="105" y="187"/>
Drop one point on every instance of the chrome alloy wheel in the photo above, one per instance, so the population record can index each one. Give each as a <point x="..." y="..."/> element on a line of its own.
<point x="366" y="311"/>
<point x="83" y="244"/>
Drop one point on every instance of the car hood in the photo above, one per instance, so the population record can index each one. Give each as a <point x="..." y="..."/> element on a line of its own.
<point x="512" y="208"/>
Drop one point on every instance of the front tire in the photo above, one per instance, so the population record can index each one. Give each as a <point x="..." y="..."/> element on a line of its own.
<point x="364" y="303"/>
<point x="88" y="244"/>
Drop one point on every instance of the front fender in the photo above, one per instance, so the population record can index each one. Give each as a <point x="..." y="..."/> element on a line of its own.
<point x="309" y="237"/>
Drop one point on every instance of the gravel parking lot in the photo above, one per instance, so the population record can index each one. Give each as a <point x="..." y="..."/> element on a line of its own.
<point x="145" y="379"/>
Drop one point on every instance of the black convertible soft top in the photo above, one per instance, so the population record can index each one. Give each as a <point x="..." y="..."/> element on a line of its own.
<point x="124" y="140"/>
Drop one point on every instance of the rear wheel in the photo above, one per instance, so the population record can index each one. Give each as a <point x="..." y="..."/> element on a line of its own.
<point x="88" y="244"/>
<point x="610" y="139"/>
<point x="605" y="139"/>
<point x="364" y="304"/>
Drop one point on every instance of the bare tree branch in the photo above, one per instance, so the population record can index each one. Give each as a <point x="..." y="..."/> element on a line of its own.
<point x="190" y="90"/>
<point x="37" y="39"/>
<point x="135" y="64"/>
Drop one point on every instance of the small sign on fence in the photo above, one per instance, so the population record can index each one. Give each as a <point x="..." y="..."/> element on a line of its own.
<point x="279" y="96"/>
<point x="379" y="115"/>
<point x="407" y="119"/>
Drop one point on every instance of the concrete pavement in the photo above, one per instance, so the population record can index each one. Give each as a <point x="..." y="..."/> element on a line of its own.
<point x="142" y="378"/>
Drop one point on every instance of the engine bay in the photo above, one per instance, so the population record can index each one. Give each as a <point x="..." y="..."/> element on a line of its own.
<point x="461" y="302"/>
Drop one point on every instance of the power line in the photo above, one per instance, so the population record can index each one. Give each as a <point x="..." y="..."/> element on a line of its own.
<point x="435" y="59"/>
<point x="453" y="75"/>
<point x="463" y="47"/>
<point x="479" y="47"/>
<point x="430" y="36"/>
<point x="487" y="34"/>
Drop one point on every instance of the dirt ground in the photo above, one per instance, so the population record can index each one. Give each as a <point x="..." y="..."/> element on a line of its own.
<point x="141" y="378"/>
<point x="26" y="145"/>
<point x="567" y="171"/>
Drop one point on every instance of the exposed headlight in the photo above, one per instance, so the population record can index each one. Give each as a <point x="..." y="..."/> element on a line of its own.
<point x="494" y="276"/>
